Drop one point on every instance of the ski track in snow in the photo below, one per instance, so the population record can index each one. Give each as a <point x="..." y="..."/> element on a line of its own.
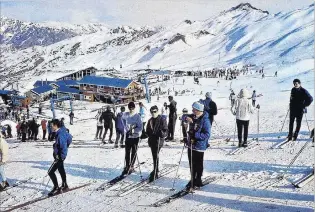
<point x="246" y="181"/>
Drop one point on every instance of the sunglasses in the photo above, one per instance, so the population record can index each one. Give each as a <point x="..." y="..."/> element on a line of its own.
<point x="131" y="108"/>
<point x="296" y="83"/>
<point x="154" y="111"/>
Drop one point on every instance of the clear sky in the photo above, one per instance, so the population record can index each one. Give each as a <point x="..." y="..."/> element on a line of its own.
<point x="132" y="12"/>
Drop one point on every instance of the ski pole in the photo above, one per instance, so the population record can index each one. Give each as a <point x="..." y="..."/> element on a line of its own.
<point x="234" y="134"/>
<point x="258" y="125"/>
<point x="191" y="167"/>
<point x="157" y="159"/>
<point x="139" y="166"/>
<point x="284" y="122"/>
<point x="180" y="159"/>
<point x="307" y="123"/>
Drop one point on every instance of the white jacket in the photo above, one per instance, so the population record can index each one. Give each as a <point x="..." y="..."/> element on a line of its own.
<point x="243" y="107"/>
<point x="4" y="149"/>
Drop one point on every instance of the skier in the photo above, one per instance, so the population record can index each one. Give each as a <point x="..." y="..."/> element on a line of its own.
<point x="4" y="149"/>
<point x="232" y="98"/>
<point x="242" y="110"/>
<point x="18" y="130"/>
<point x="23" y="130"/>
<point x="44" y="128"/>
<point x="300" y="99"/>
<point x="210" y="107"/>
<point x="254" y="96"/>
<point x="49" y="131"/>
<point x="276" y="73"/>
<point x="9" y="131"/>
<point x="60" y="150"/>
<point x="157" y="132"/>
<point x="172" y="118"/>
<point x="133" y="131"/>
<point x="184" y="124"/>
<point x="164" y="110"/>
<point x="71" y="115"/>
<point x="143" y="114"/>
<point x="120" y="128"/>
<point x="198" y="136"/>
<point x="108" y="116"/>
<point x="99" y="129"/>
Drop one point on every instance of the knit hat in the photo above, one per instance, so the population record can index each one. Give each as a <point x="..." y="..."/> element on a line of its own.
<point x="208" y="95"/>
<point x="244" y="93"/>
<point x="296" y="80"/>
<point x="198" y="106"/>
<point x="131" y="105"/>
<point x="185" y="110"/>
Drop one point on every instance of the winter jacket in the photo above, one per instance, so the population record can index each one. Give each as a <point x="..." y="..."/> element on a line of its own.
<point x="242" y="108"/>
<point x="61" y="145"/>
<point x="133" y="126"/>
<point x="254" y="96"/>
<point x="120" y="122"/>
<point x="172" y="107"/>
<point x="199" y="133"/>
<point x="164" y="111"/>
<point x="23" y="127"/>
<point x="99" y="122"/>
<point x="299" y="99"/>
<point x="157" y="131"/>
<point x="210" y="107"/>
<point x="4" y="149"/>
<point x="108" y="118"/>
<point x="44" y="124"/>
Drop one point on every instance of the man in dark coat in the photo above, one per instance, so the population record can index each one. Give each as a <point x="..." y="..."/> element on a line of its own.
<point x="108" y="116"/>
<point x="300" y="99"/>
<point x="210" y="107"/>
<point x="157" y="131"/>
<point x="172" y="117"/>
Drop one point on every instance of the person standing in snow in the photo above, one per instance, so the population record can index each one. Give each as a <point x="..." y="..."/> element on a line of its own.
<point x="44" y="128"/>
<point x="60" y="151"/>
<point x="276" y="73"/>
<point x="157" y="132"/>
<point x="300" y="98"/>
<point x="242" y="110"/>
<point x="143" y="115"/>
<point x="120" y="128"/>
<point x="99" y="129"/>
<point x="210" y="107"/>
<point x="184" y="124"/>
<point x="164" y="110"/>
<point x="4" y="149"/>
<point x="71" y="115"/>
<point x="232" y="98"/>
<point x="108" y="116"/>
<point x="133" y="131"/>
<point x="172" y="118"/>
<point x="198" y="136"/>
<point x="254" y="96"/>
<point x="23" y="129"/>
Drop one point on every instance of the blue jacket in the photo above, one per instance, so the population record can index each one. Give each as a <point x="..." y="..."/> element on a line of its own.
<point x="120" y="122"/>
<point x="199" y="132"/>
<point x="61" y="144"/>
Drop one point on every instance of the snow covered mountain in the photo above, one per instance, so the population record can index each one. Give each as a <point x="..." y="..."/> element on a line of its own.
<point x="240" y="35"/>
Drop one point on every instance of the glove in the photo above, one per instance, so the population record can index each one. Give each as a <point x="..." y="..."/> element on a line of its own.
<point x="258" y="106"/>
<point x="304" y="110"/>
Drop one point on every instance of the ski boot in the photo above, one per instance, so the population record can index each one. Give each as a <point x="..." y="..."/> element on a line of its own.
<point x="289" y="137"/>
<point x="110" y="142"/>
<point x="125" y="171"/>
<point x="153" y="176"/>
<point x="131" y="170"/>
<point x="54" y="191"/>
<point x="240" y="144"/>
<point x="64" y="187"/>
<point x="245" y="144"/>
<point x="116" y="145"/>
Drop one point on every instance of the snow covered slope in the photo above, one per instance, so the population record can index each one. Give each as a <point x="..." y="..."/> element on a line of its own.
<point x="240" y="35"/>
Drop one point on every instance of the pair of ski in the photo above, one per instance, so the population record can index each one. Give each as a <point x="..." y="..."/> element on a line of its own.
<point x="181" y="193"/>
<point x="133" y="187"/>
<point x="240" y="150"/>
<point x="43" y="198"/>
<point x="281" y="144"/>
<point x="114" y="181"/>
<point x="304" y="181"/>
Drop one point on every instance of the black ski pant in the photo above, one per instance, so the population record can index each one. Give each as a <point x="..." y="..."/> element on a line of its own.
<point x="44" y="134"/>
<point x="120" y="135"/>
<point x="71" y="120"/>
<point x="29" y="133"/>
<point x="143" y="134"/>
<point x="99" y="132"/>
<point x="110" y="133"/>
<point x="131" y="146"/>
<point x="240" y="125"/>
<point x="254" y="103"/>
<point x="171" y="125"/>
<point x="57" y="164"/>
<point x="23" y="136"/>
<point x="298" y="116"/>
<point x="195" y="159"/>
<point x="155" y="150"/>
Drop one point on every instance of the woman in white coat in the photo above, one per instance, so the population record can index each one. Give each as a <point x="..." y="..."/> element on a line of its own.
<point x="4" y="148"/>
<point x="242" y="110"/>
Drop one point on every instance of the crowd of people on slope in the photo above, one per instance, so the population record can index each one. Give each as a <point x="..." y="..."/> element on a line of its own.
<point x="196" y="129"/>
